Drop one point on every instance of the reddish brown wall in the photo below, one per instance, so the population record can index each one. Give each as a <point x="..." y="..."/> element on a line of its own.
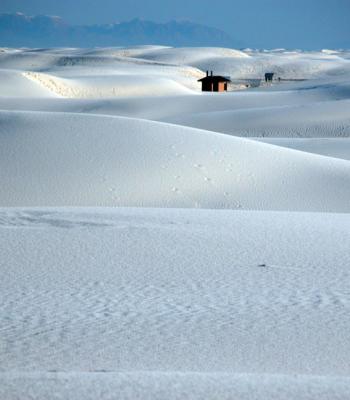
<point x="221" y="86"/>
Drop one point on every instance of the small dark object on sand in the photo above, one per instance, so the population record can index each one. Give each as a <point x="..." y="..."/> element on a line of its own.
<point x="262" y="265"/>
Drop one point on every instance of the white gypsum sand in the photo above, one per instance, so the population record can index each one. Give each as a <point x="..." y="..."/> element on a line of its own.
<point x="149" y="300"/>
<point x="212" y="259"/>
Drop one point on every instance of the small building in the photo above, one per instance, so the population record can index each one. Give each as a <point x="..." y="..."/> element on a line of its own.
<point x="269" y="76"/>
<point x="214" y="83"/>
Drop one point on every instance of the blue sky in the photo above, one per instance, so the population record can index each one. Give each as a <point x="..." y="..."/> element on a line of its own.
<point x="256" y="23"/>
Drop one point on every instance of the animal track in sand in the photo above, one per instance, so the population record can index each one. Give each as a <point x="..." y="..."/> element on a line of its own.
<point x="180" y="155"/>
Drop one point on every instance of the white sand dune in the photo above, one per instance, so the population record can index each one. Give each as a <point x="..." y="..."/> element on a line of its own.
<point x="330" y="147"/>
<point x="253" y="64"/>
<point x="116" y="85"/>
<point x="174" y="106"/>
<point x="13" y="84"/>
<point x="200" y="57"/>
<point x="76" y="73"/>
<point x="173" y="386"/>
<point x="319" y="108"/>
<point x="72" y="159"/>
<point x="330" y="119"/>
<point x="158" y="304"/>
<point x="237" y="64"/>
<point x="160" y="83"/>
<point x="235" y="287"/>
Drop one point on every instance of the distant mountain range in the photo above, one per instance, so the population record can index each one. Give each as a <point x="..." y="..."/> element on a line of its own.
<point x="19" y="30"/>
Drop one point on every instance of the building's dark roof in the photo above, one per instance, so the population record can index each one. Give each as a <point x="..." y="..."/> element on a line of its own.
<point x="214" y="78"/>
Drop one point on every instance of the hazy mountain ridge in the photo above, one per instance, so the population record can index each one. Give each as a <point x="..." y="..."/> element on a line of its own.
<point x="45" y="31"/>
